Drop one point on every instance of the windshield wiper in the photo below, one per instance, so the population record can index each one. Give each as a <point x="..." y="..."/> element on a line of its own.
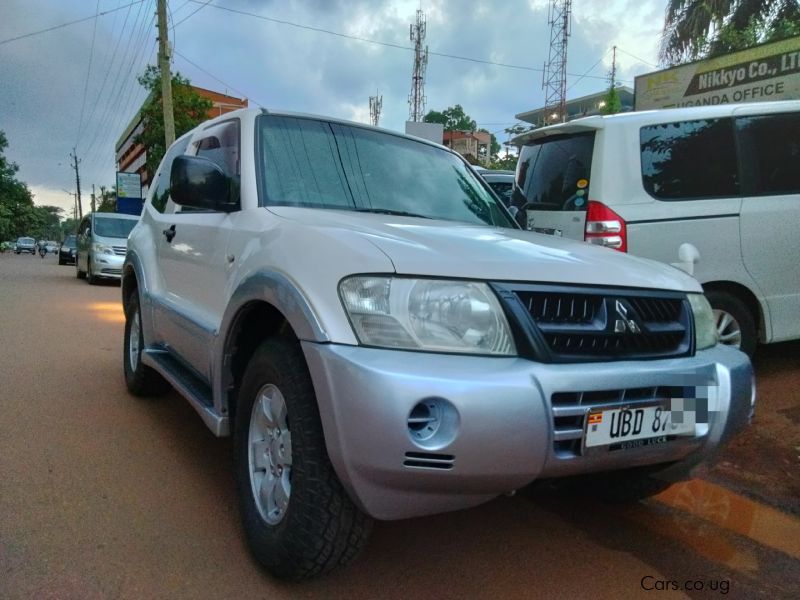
<point x="389" y="211"/>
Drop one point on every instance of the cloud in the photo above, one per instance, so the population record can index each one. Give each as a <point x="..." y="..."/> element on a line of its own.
<point x="292" y="68"/>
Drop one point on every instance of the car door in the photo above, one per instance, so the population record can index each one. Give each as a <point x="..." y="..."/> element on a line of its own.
<point x="192" y="254"/>
<point x="770" y="152"/>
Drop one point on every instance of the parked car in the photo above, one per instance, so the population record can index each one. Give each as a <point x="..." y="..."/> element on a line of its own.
<point x="502" y="182"/>
<point x="66" y="252"/>
<point x="364" y="316"/>
<point x="25" y="244"/>
<point x="8" y="246"/>
<point x="51" y="247"/>
<point x="101" y="243"/>
<point x="713" y="189"/>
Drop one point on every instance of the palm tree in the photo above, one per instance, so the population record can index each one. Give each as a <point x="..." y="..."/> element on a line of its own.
<point x="697" y="28"/>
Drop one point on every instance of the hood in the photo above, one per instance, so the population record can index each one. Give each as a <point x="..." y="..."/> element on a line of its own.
<point x="459" y="250"/>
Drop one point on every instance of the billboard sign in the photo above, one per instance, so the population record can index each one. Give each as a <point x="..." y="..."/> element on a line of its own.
<point x="129" y="185"/>
<point x="766" y="72"/>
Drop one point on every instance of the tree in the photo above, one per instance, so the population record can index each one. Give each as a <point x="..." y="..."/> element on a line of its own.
<point x="18" y="215"/>
<point x="704" y="28"/>
<point x="189" y="107"/>
<point x="455" y="119"/>
<point x="612" y="103"/>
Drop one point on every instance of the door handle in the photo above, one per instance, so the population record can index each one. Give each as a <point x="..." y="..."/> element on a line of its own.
<point x="169" y="233"/>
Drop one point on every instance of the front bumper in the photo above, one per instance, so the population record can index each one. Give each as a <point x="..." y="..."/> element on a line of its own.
<point x="498" y="428"/>
<point x="107" y="265"/>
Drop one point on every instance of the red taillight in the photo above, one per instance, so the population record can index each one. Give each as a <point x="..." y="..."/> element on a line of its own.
<point x="604" y="227"/>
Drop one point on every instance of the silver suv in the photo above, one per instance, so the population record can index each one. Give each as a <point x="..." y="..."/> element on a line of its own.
<point x="363" y="315"/>
<point x="101" y="244"/>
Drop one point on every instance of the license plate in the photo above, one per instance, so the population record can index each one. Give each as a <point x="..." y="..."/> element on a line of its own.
<point x="646" y="425"/>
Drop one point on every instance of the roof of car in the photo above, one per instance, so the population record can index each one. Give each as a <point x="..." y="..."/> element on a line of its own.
<point x="109" y="215"/>
<point x="285" y="113"/>
<point x="666" y="115"/>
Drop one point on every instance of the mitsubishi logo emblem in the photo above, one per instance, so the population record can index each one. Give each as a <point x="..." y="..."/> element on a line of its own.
<point x="623" y="323"/>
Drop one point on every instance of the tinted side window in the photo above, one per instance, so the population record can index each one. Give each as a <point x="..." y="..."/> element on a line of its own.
<point x="770" y="146"/>
<point x="553" y="173"/>
<point x="689" y="159"/>
<point x="160" y="194"/>
<point x="220" y="144"/>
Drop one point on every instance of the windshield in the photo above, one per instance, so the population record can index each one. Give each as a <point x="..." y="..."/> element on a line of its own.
<point x="111" y="227"/>
<point x="69" y="242"/>
<point x="317" y="164"/>
<point x="554" y="173"/>
<point x="25" y="241"/>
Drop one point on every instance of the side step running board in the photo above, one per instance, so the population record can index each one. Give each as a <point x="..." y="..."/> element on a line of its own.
<point x="191" y="387"/>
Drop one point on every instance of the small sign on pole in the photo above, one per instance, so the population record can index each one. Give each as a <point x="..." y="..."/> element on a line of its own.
<point x="129" y="193"/>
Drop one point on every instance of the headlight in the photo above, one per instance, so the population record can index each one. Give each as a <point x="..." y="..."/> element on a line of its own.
<point x="705" y="329"/>
<point x="426" y="314"/>
<point x="102" y="249"/>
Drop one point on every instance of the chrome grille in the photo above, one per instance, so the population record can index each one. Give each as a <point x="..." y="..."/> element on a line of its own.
<point x="120" y="250"/>
<point x="572" y="324"/>
<point x="570" y="410"/>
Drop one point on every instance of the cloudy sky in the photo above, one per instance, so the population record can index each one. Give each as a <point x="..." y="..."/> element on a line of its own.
<point x="59" y="90"/>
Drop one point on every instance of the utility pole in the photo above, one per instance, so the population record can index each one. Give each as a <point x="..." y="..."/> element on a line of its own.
<point x="164" y="54"/>
<point x="75" y="163"/>
<point x="375" y="106"/>
<point x="613" y="67"/>
<point x="416" y="100"/>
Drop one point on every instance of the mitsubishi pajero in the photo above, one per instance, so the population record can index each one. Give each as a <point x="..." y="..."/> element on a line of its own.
<point x="365" y="318"/>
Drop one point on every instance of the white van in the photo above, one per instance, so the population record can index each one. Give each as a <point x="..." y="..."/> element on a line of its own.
<point x="712" y="189"/>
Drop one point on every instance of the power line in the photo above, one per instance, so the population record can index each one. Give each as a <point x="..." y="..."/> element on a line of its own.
<point x="380" y="43"/>
<point x="190" y="15"/>
<point x="115" y="93"/>
<point x="227" y="85"/>
<point x="88" y="72"/>
<point x="641" y="60"/>
<point x="76" y="21"/>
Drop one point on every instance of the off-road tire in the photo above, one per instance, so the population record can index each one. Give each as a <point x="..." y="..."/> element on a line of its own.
<point x="321" y="528"/>
<point x="143" y="380"/>
<point x="734" y="306"/>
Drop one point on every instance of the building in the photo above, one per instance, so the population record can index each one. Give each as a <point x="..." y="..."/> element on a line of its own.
<point x="475" y="146"/>
<point x="580" y="107"/>
<point x="131" y="157"/>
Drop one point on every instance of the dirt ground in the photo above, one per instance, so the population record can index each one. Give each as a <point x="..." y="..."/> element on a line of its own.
<point x="763" y="461"/>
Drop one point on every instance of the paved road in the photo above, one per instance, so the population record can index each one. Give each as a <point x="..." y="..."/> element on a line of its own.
<point x="107" y="496"/>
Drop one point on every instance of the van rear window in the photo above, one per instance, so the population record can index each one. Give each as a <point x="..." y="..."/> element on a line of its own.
<point x="553" y="173"/>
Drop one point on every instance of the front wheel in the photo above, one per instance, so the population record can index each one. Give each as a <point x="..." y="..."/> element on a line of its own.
<point x="297" y="517"/>
<point x="140" y="379"/>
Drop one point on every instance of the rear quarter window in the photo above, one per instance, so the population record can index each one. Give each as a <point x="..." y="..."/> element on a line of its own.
<point x="553" y="173"/>
<point x="689" y="160"/>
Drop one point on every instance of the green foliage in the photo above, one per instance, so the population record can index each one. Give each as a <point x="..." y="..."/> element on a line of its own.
<point x="108" y="200"/>
<point x="68" y="227"/>
<point x="612" y="102"/>
<point x="695" y="29"/>
<point x="18" y="215"/>
<point x="506" y="163"/>
<point x="453" y="118"/>
<point x="190" y="109"/>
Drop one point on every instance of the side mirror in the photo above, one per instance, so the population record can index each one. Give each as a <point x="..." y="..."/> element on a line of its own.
<point x="520" y="216"/>
<point x="200" y="183"/>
